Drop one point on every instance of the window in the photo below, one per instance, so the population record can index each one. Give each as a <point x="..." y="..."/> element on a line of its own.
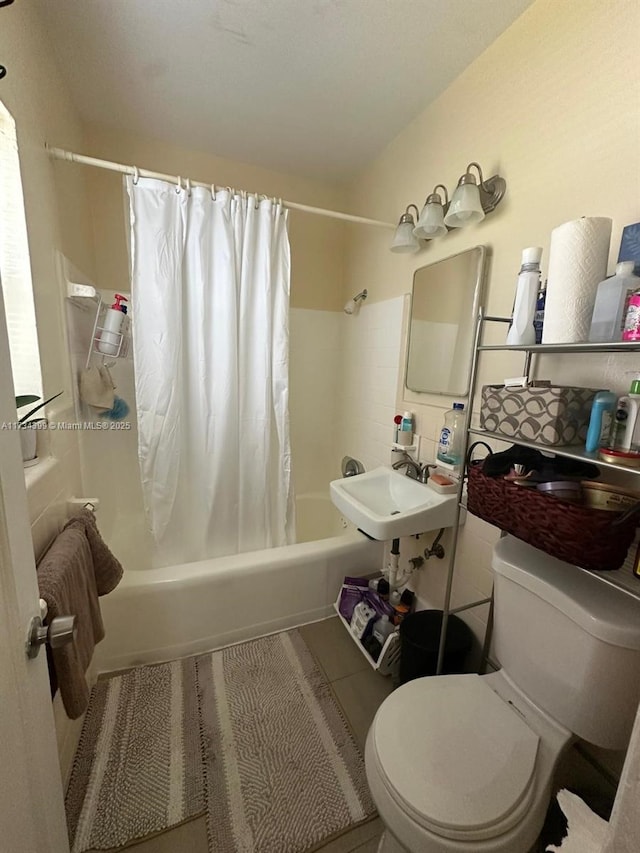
<point x="15" y="266"/>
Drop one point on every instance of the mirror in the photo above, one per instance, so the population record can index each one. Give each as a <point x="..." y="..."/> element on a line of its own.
<point x="444" y="306"/>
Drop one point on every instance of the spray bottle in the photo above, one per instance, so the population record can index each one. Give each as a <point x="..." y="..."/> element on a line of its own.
<point x="110" y="336"/>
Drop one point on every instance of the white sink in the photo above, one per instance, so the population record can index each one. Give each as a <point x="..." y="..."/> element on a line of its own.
<point x="386" y="504"/>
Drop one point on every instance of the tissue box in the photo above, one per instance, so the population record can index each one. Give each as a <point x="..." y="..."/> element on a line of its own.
<point x="548" y="414"/>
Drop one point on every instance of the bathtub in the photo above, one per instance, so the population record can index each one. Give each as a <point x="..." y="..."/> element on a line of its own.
<point x="162" y="614"/>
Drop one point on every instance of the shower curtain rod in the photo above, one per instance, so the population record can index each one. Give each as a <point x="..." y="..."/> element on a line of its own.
<point x="61" y="154"/>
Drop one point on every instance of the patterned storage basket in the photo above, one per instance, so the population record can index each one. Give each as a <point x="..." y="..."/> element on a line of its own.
<point x="548" y="414"/>
<point x="573" y="533"/>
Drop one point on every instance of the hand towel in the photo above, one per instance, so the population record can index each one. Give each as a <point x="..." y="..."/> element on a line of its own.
<point x="107" y="569"/>
<point x="77" y="568"/>
<point x="97" y="387"/>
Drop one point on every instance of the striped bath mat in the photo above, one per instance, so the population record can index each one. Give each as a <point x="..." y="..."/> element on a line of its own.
<point x="138" y="769"/>
<point x="283" y="772"/>
<point x="250" y="734"/>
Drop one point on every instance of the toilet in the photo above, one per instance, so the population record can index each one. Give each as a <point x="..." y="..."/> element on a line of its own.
<point x="466" y="762"/>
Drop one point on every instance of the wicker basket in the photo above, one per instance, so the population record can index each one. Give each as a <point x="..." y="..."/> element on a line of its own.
<point x="576" y="534"/>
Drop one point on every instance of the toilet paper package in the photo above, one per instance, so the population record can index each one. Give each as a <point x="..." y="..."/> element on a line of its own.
<point x="577" y="264"/>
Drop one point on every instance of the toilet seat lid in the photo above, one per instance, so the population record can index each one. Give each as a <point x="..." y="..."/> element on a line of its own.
<point x="458" y="757"/>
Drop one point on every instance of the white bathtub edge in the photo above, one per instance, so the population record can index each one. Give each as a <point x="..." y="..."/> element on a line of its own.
<point x="212" y="643"/>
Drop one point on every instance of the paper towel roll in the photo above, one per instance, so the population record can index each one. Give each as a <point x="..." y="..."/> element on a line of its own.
<point x="577" y="264"/>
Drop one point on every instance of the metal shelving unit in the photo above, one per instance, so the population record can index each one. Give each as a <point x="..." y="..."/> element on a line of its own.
<point x="624" y="580"/>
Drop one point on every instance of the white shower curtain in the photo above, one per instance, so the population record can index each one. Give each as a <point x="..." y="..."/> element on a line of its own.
<point x="210" y="309"/>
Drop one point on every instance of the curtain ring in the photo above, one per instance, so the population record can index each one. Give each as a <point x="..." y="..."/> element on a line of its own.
<point x="213" y="192"/>
<point x="136" y="176"/>
<point x="188" y="186"/>
<point x="179" y="186"/>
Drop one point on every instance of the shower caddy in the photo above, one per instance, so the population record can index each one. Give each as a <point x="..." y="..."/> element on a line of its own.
<point x="122" y="337"/>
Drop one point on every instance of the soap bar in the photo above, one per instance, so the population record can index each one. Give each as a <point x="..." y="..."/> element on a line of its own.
<point x="441" y="480"/>
<point x="442" y="484"/>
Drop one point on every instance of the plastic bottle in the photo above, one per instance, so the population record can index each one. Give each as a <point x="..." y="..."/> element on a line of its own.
<point x="407" y="422"/>
<point x="110" y="337"/>
<point x="612" y="298"/>
<point x="405" y="434"/>
<point x="631" y="331"/>
<point x="600" y="420"/>
<point x="538" y="320"/>
<point x="382" y="627"/>
<point x="625" y="432"/>
<point x="521" y="330"/>
<point x="450" y="445"/>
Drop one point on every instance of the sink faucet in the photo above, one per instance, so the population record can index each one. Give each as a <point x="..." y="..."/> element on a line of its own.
<point x="414" y="469"/>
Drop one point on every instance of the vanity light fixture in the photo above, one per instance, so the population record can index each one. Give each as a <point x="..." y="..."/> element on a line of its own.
<point x="431" y="221"/>
<point x="470" y="203"/>
<point x="404" y="240"/>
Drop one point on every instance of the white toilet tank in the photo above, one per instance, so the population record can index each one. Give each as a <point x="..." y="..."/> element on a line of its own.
<point x="570" y="642"/>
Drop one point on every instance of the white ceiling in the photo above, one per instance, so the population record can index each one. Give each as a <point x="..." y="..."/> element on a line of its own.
<point x="311" y="87"/>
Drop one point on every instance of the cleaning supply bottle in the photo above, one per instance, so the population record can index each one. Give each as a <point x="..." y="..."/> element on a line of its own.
<point x="382" y="627"/>
<point x="538" y="319"/>
<point x="521" y="330"/>
<point x="600" y="420"/>
<point x="625" y="432"/>
<point x="631" y="331"/>
<point x="450" y="444"/>
<point x="110" y="337"/>
<point x="612" y="300"/>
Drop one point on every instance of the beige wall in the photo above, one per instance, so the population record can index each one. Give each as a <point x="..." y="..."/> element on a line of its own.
<point x="55" y="199"/>
<point x="553" y="106"/>
<point x="317" y="243"/>
<point x="58" y="218"/>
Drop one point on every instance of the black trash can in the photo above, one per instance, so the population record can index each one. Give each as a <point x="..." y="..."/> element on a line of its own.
<point x="419" y="641"/>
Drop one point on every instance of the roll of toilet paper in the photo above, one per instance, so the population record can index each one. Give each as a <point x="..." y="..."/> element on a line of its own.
<point x="577" y="264"/>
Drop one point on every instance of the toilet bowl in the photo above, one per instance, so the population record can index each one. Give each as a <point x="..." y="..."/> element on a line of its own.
<point x="463" y="763"/>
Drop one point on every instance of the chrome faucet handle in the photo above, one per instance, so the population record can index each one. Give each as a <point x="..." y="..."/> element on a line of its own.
<point x="424" y="472"/>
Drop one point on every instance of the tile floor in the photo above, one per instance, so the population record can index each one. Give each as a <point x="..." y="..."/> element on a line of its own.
<point x="359" y="690"/>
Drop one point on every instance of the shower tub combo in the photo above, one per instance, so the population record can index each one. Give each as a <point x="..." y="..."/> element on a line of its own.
<point x="162" y="614"/>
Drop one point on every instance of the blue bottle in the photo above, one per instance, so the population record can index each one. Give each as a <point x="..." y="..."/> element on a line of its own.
<point x="602" y="409"/>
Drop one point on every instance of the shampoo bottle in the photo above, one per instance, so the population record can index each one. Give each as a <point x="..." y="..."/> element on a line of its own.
<point x="600" y="420"/>
<point x="626" y="422"/>
<point x="110" y="337"/>
<point x="521" y="330"/>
